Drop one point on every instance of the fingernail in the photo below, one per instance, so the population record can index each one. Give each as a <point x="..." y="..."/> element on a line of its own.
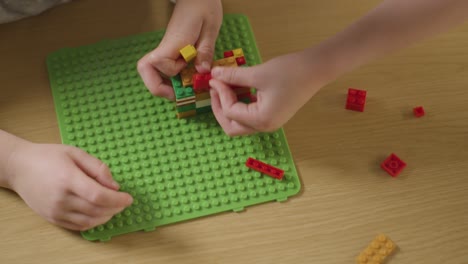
<point x="115" y="185"/>
<point x="216" y="72"/>
<point x="211" y="84"/>
<point x="205" y="65"/>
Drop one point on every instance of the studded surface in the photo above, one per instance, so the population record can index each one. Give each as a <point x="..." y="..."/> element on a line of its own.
<point x="176" y="169"/>
<point x="377" y="251"/>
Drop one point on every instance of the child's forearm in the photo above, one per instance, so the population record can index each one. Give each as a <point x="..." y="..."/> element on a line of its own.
<point x="8" y="144"/>
<point x="392" y="25"/>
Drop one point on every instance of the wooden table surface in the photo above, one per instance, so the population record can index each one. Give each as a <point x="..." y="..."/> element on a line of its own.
<point x="346" y="198"/>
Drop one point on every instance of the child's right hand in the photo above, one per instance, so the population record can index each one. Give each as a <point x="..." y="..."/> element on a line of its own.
<point x="195" y="22"/>
<point x="65" y="185"/>
<point x="284" y="84"/>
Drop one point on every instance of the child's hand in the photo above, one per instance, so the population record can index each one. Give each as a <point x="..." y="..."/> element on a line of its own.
<point x="65" y="185"/>
<point x="284" y="84"/>
<point x="195" y="22"/>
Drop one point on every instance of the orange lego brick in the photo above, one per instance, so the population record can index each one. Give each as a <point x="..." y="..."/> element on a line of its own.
<point x="226" y="62"/>
<point x="202" y="96"/>
<point x="377" y="251"/>
<point x="186" y="114"/>
<point x="186" y="75"/>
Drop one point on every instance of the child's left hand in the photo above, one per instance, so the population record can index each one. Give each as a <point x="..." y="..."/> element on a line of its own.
<point x="195" y="22"/>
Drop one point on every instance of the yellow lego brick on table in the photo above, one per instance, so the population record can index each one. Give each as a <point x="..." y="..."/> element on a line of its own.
<point x="377" y="251"/>
<point x="186" y="75"/>
<point x="188" y="53"/>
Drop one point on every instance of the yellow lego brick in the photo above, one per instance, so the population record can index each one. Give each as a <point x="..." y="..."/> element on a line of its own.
<point x="188" y="53"/>
<point x="202" y="96"/>
<point x="238" y="53"/>
<point x="187" y="114"/>
<point x="186" y="75"/>
<point x="226" y="62"/>
<point x="377" y="251"/>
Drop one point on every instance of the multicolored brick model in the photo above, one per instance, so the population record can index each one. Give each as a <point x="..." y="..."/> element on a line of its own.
<point x="192" y="89"/>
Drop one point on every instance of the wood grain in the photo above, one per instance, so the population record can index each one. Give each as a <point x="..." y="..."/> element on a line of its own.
<point x="346" y="198"/>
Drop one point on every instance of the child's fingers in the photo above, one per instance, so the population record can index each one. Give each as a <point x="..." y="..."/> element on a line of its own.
<point x="79" y="205"/>
<point x="68" y="225"/>
<point x="231" y="127"/>
<point x="206" y="47"/>
<point x="153" y="80"/>
<point x="238" y="76"/>
<point x="169" y="63"/>
<point x="245" y="114"/>
<point x="90" y="190"/>
<point x="84" y="222"/>
<point x="93" y="167"/>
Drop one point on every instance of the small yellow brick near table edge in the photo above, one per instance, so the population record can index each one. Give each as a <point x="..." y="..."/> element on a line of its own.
<point x="377" y="251"/>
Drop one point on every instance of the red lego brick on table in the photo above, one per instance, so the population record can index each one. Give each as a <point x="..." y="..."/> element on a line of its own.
<point x="228" y="53"/>
<point x="240" y="61"/>
<point x="393" y="165"/>
<point x="418" y="111"/>
<point x="265" y="168"/>
<point x="201" y="82"/>
<point x="356" y="100"/>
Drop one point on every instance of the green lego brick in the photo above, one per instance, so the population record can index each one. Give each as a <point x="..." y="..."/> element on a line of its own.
<point x="185" y="108"/>
<point x="205" y="109"/>
<point x="175" y="169"/>
<point x="180" y="91"/>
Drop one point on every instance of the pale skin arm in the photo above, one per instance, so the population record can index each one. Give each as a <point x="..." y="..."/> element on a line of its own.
<point x="63" y="184"/>
<point x="286" y="83"/>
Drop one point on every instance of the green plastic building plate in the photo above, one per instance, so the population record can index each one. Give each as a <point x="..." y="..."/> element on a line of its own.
<point x="175" y="169"/>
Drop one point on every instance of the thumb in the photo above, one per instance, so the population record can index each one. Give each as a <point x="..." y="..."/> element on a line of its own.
<point x="94" y="168"/>
<point x="236" y="76"/>
<point x="244" y="114"/>
<point x="206" y="47"/>
<point x="170" y="66"/>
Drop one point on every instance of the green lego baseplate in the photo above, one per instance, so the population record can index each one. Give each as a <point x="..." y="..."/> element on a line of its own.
<point x="175" y="169"/>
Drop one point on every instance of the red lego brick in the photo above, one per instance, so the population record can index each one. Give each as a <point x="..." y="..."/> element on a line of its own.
<point x="418" y="111"/>
<point x="240" y="61"/>
<point x="228" y="53"/>
<point x="243" y="96"/>
<point x="393" y="165"/>
<point x="356" y="100"/>
<point x="265" y="168"/>
<point x="201" y="82"/>
<point x="253" y="98"/>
